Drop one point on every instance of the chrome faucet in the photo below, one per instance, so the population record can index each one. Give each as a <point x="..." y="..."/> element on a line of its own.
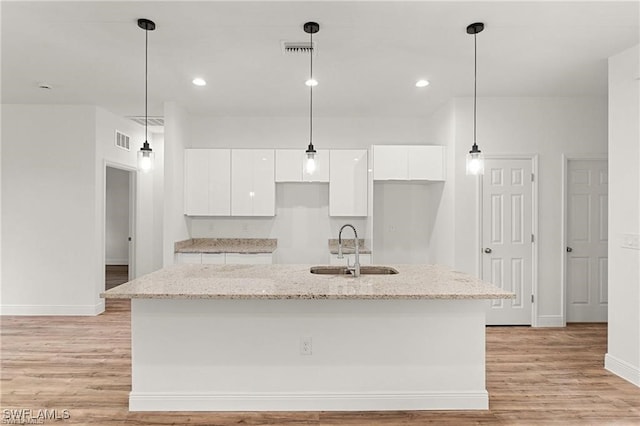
<point x="355" y="269"/>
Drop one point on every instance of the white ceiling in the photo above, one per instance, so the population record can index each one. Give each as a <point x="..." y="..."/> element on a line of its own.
<point x="369" y="53"/>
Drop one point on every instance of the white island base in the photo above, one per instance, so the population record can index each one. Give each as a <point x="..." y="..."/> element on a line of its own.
<point x="245" y="355"/>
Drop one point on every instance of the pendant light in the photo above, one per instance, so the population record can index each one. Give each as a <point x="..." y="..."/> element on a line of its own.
<point x="310" y="166"/>
<point x="146" y="155"/>
<point x="475" y="159"/>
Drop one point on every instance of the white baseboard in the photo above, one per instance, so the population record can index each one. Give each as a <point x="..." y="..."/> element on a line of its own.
<point x="116" y="261"/>
<point x="57" y="310"/>
<point x="550" y="321"/>
<point x="630" y="373"/>
<point x="158" y="401"/>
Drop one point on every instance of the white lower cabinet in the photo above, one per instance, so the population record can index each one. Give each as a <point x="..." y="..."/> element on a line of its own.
<point x="365" y="259"/>
<point x="249" y="258"/>
<point x="225" y="258"/>
<point x="189" y="258"/>
<point x="213" y="258"/>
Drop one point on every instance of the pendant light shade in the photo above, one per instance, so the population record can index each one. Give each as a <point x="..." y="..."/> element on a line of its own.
<point x="146" y="155"/>
<point x="475" y="159"/>
<point x="311" y="162"/>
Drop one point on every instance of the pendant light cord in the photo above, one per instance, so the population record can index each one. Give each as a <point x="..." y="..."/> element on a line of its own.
<point x="311" y="91"/>
<point x="475" y="77"/>
<point x="146" y="82"/>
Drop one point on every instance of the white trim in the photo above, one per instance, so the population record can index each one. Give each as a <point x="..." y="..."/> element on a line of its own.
<point x="159" y="401"/>
<point x="57" y="310"/>
<point x="550" y="321"/>
<point x="563" y="224"/>
<point x="623" y="369"/>
<point x="116" y="262"/>
<point x="534" y="226"/>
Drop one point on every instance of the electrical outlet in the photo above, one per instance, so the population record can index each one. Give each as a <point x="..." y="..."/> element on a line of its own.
<point x="631" y="241"/>
<point x="305" y="346"/>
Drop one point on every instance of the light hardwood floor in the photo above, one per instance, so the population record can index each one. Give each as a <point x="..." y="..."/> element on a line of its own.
<point x="534" y="376"/>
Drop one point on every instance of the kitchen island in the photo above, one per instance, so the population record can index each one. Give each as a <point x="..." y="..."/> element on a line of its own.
<point x="278" y="338"/>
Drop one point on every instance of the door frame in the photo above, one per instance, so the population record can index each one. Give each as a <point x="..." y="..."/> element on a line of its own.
<point x="564" y="225"/>
<point x="534" y="224"/>
<point x="133" y="196"/>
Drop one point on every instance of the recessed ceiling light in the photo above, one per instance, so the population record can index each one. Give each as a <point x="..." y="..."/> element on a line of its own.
<point x="311" y="82"/>
<point x="422" y="83"/>
<point x="199" y="81"/>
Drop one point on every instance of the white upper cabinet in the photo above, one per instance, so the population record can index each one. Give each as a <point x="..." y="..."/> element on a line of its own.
<point x="253" y="191"/>
<point x="348" y="183"/>
<point x="409" y="162"/>
<point x="290" y="166"/>
<point x="207" y="182"/>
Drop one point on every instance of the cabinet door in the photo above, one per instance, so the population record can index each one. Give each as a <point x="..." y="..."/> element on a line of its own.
<point x="289" y="165"/>
<point x="264" y="186"/>
<point x="242" y="182"/>
<point x="426" y="162"/>
<point x="348" y="183"/>
<point x="249" y="258"/>
<point x="219" y="182"/>
<point x="213" y="258"/>
<point x="321" y="174"/>
<point x="253" y="191"/>
<point x="196" y="182"/>
<point x="390" y="162"/>
<point x="189" y="258"/>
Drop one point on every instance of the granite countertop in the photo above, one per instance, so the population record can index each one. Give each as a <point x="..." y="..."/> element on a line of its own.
<point x="227" y="245"/>
<point x="185" y="281"/>
<point x="348" y="246"/>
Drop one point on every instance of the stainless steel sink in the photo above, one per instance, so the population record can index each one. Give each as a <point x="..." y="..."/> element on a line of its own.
<point x="364" y="270"/>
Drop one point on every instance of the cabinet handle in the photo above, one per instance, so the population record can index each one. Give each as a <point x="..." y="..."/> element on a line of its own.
<point x="487" y="250"/>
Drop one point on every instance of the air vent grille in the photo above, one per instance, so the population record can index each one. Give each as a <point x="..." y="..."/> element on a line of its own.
<point x="122" y="140"/>
<point x="298" y="47"/>
<point x="152" y="121"/>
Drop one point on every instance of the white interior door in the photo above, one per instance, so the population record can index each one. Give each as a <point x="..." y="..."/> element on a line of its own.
<point x="507" y="237"/>
<point x="587" y="240"/>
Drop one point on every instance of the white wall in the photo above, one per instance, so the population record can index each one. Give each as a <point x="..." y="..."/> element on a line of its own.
<point x="148" y="200"/>
<point x="403" y="221"/>
<point x="176" y="135"/>
<point x="117" y="217"/>
<point x="623" y="355"/>
<point x="549" y="127"/>
<point x="442" y="196"/>
<point x="49" y="211"/>
<point x="53" y="176"/>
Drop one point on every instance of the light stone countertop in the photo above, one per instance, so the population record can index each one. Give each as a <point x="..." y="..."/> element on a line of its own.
<point x="186" y="281"/>
<point x="348" y="246"/>
<point x="226" y="245"/>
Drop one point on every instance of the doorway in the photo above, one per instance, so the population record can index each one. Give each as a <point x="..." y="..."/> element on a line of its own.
<point x="119" y="215"/>
<point x="586" y="236"/>
<point x="507" y="237"/>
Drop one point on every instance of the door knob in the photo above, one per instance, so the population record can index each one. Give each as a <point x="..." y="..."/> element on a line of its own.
<point x="487" y="250"/>
<point x="569" y="249"/>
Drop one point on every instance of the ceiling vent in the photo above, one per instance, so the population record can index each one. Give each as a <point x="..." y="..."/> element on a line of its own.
<point x="122" y="140"/>
<point x="298" y="47"/>
<point x="152" y="121"/>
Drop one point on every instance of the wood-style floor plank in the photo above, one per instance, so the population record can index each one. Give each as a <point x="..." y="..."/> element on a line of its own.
<point x="540" y="376"/>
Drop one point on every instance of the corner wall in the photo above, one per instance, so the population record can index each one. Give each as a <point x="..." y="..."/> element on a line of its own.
<point x="623" y="353"/>
<point x="49" y="211"/>
<point x="53" y="197"/>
